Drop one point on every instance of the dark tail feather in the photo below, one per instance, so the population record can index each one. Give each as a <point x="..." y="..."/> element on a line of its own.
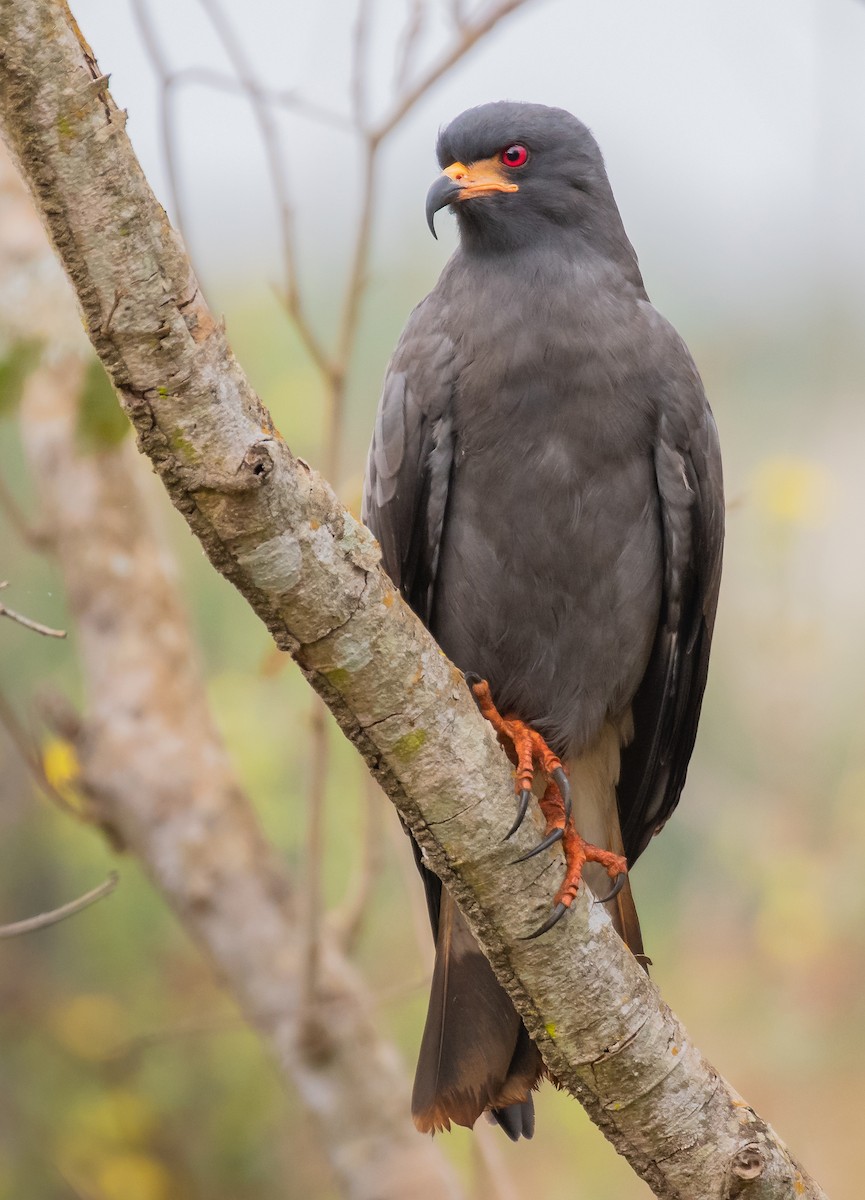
<point x="517" y="1120"/>
<point x="475" y="1054"/>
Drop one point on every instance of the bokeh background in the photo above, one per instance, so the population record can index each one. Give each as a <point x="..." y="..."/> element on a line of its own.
<point x="734" y="134"/>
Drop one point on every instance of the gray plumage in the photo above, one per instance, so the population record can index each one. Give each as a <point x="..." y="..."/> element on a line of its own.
<point x="544" y="476"/>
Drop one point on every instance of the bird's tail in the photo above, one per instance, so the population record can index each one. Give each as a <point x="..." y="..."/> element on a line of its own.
<point x="475" y="1055"/>
<point x="593" y="777"/>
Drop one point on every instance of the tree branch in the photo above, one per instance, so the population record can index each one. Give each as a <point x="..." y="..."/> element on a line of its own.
<point x="28" y="622"/>
<point x="31" y="924"/>
<point x="156" y="777"/>
<point x="273" y="527"/>
<point x="470" y="33"/>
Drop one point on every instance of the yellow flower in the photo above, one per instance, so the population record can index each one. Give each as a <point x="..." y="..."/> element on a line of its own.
<point x="60" y="763"/>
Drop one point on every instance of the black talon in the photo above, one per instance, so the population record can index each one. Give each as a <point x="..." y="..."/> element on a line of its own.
<point x="555" y="916"/>
<point x="561" y="780"/>
<point x="549" y="840"/>
<point x="617" y="887"/>
<point x="472" y="679"/>
<point x="524" y="798"/>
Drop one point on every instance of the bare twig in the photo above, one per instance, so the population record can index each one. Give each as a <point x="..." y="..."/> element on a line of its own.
<point x="471" y="33"/>
<point x="285" y="98"/>
<point x="30" y="924"/>
<point x="349" y="322"/>
<point x="360" y="38"/>
<point x="141" y="12"/>
<point x="27" y="622"/>
<point x="408" y="43"/>
<point x="458" y="13"/>
<point x="270" y="141"/>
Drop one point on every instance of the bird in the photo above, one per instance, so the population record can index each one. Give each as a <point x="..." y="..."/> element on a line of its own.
<point x="544" y="480"/>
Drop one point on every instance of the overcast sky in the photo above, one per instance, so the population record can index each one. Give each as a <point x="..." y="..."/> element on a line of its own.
<point x="734" y="130"/>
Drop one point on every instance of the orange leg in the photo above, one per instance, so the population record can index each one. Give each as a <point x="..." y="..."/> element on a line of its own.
<point x="526" y="747"/>
<point x="577" y="853"/>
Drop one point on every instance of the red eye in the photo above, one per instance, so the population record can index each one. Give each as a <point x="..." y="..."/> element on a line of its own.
<point x="515" y="156"/>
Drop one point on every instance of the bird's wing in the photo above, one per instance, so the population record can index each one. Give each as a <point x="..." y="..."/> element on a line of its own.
<point x="411" y="456"/>
<point x="666" y="708"/>
<point x="408" y="479"/>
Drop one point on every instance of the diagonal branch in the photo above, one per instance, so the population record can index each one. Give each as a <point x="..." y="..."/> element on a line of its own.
<point x="155" y="774"/>
<point x="273" y="527"/>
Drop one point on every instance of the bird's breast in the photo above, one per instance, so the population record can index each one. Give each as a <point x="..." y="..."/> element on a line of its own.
<point x="550" y="573"/>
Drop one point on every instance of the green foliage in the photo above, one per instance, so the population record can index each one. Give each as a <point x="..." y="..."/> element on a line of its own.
<point x="102" y="423"/>
<point x="15" y="366"/>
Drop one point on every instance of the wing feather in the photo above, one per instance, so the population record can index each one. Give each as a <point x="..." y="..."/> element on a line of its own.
<point x="666" y="708"/>
<point x="411" y="458"/>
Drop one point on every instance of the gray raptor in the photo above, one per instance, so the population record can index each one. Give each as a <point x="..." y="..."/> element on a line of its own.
<point x="545" y="483"/>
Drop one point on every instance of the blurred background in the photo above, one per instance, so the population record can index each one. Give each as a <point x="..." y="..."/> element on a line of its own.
<point x="734" y="135"/>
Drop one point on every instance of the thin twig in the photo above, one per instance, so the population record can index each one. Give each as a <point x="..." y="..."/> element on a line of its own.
<point x="286" y="98"/>
<point x="350" y="320"/>
<point x="357" y="277"/>
<point x="470" y="34"/>
<point x="458" y="13"/>
<point x="270" y="141"/>
<point x="360" y="38"/>
<point x="28" y="622"/>
<point x="408" y="43"/>
<point x="141" y="12"/>
<point x="60" y="914"/>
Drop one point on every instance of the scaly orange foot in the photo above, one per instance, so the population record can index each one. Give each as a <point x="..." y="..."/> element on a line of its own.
<point x="526" y="748"/>
<point x="577" y="853"/>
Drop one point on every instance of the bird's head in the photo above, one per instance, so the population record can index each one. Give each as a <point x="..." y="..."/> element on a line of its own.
<point x="517" y="174"/>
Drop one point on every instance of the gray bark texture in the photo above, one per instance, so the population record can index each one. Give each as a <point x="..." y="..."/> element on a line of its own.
<point x="154" y="769"/>
<point x="273" y="527"/>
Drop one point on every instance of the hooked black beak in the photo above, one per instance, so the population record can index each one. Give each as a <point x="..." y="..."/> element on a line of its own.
<point x="444" y="191"/>
<point x="461" y="182"/>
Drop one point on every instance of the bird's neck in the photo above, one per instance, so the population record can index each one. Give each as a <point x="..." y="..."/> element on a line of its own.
<point x="580" y="242"/>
